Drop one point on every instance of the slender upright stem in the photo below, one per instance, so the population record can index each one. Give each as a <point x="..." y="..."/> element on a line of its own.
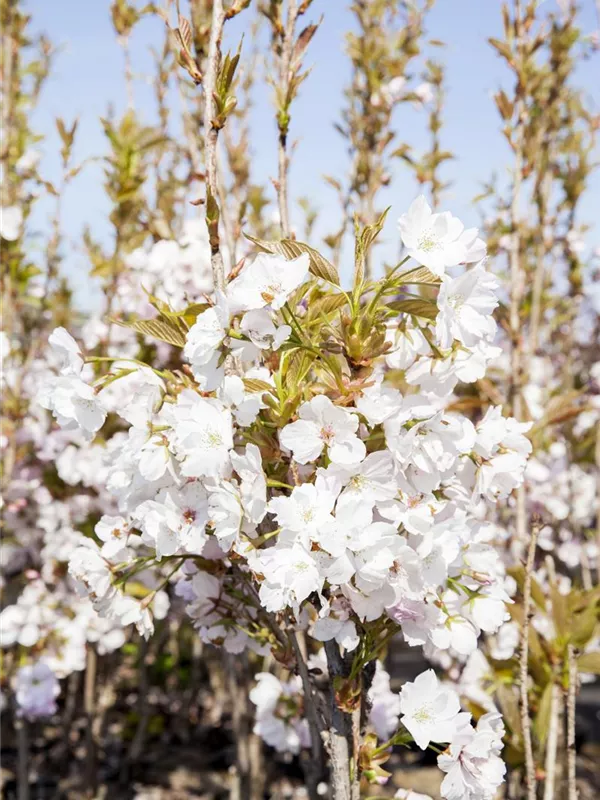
<point x="523" y="669"/>
<point x="22" y="760"/>
<point x="552" y="743"/>
<point x="211" y="132"/>
<point x="597" y="458"/>
<point x="543" y="245"/>
<point x="571" y="702"/>
<point x="124" y="42"/>
<point x="285" y="75"/>
<point x="89" y="703"/>
<point x="516" y="272"/>
<point x="313" y="768"/>
<point x="340" y="736"/>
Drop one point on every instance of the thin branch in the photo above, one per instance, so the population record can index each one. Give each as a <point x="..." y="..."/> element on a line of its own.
<point x="552" y="743"/>
<point x="285" y="76"/>
<point x="340" y="732"/>
<point x="211" y="134"/>
<point x="314" y="768"/>
<point x="523" y="669"/>
<point x="571" y="702"/>
<point x="23" y="760"/>
<point x="516" y="272"/>
<point x="89" y="704"/>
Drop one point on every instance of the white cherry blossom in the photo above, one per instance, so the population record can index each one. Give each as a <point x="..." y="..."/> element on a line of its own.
<point x="429" y="709"/>
<point x="321" y="425"/>
<point x="268" y="280"/>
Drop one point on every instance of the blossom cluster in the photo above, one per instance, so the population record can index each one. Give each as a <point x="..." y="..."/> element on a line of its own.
<point x="44" y="617"/>
<point x="328" y="483"/>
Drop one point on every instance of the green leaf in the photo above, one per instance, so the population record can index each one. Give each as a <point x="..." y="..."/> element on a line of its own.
<point x="419" y="275"/>
<point x="560" y="613"/>
<point x="416" y="306"/>
<point x="256" y="386"/>
<point x="589" y="662"/>
<point x="509" y="705"/>
<point x="298" y="364"/>
<point x="326" y="304"/>
<point x="584" y="625"/>
<point x="162" y="328"/>
<point x="319" y="266"/>
<point x="537" y="593"/>
<point x="364" y="240"/>
<point x="371" y="232"/>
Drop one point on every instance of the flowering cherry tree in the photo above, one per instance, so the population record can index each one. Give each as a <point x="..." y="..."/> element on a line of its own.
<point x="302" y="478"/>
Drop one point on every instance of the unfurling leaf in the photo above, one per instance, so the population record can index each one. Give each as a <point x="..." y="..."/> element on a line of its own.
<point x="163" y="328"/>
<point x="419" y="275"/>
<point x="415" y="306"/>
<point x="589" y="662"/>
<point x="364" y="240"/>
<point x="256" y="386"/>
<point x="319" y="266"/>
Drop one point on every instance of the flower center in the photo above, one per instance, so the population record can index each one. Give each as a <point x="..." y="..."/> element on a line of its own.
<point x="271" y="291"/>
<point x="428" y="241"/>
<point x="358" y="482"/>
<point x="456" y="301"/>
<point x="189" y="515"/>
<point x="414" y="501"/>
<point x="212" y="439"/>
<point x="423" y="714"/>
<point x="90" y="405"/>
<point x="308" y="514"/>
<point x="327" y="433"/>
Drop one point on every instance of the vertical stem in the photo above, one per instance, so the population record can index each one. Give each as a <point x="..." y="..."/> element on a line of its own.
<point x="540" y="266"/>
<point x="523" y="669"/>
<point x="571" y="702"/>
<point x="89" y="704"/>
<point x="312" y="767"/>
<point x="211" y="133"/>
<point x="143" y="707"/>
<point x="340" y="733"/>
<point x="597" y="459"/>
<point x="22" y="760"/>
<point x="124" y="42"/>
<point x="552" y="743"/>
<point x="516" y="276"/>
<point x="284" y="84"/>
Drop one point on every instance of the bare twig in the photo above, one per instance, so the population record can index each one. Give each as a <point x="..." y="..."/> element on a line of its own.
<point x="523" y="668"/>
<point x="552" y="743"/>
<point x="313" y="768"/>
<point x="23" y="760"/>
<point x="542" y="248"/>
<point x="516" y="272"/>
<point x="211" y="136"/>
<point x="285" y="76"/>
<point x="89" y="704"/>
<point x="571" y="702"/>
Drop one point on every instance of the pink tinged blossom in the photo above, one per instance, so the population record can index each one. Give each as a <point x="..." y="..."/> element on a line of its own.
<point x="36" y="691"/>
<point x="323" y="425"/>
<point x="472" y="763"/>
<point x="385" y="704"/>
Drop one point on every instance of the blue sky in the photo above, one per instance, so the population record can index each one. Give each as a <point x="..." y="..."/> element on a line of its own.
<point x="88" y="77"/>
